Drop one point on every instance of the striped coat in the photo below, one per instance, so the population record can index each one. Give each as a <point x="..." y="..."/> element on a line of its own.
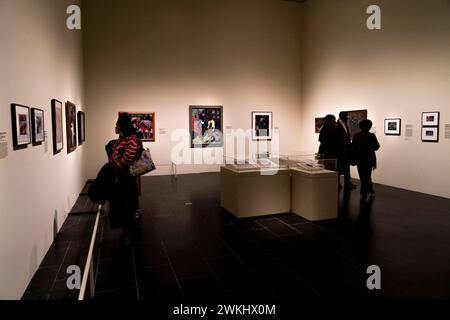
<point x="125" y="151"/>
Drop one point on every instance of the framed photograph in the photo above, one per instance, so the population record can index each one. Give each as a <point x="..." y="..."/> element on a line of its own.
<point x="205" y="126"/>
<point x="144" y="124"/>
<point x="430" y="134"/>
<point x="81" y="127"/>
<point x="318" y="123"/>
<point x="71" y="126"/>
<point x="57" y="126"/>
<point x="20" y="117"/>
<point x="430" y="119"/>
<point x="261" y="126"/>
<point x="354" y="118"/>
<point x="392" y="127"/>
<point x="37" y="125"/>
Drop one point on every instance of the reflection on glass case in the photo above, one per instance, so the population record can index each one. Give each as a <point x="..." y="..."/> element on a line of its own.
<point x="254" y="162"/>
<point x="309" y="162"/>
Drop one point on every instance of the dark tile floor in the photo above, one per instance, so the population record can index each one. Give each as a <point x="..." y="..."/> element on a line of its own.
<point x="189" y="250"/>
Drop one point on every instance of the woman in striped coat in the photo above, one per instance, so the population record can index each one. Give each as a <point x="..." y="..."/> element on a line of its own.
<point x="125" y="201"/>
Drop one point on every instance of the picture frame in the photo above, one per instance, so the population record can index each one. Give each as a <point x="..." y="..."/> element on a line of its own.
<point x="205" y="126"/>
<point x="430" y="119"/>
<point x="81" y="117"/>
<point x="57" y="126"/>
<point x="318" y="124"/>
<point x="71" y="126"/>
<point x="392" y="127"/>
<point x="21" y="125"/>
<point x="144" y="124"/>
<point x="354" y="118"/>
<point x="430" y="134"/>
<point x="37" y="125"/>
<point x="262" y="126"/>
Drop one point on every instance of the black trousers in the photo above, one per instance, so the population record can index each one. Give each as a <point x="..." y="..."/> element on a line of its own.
<point x="124" y="202"/>
<point x="365" y="174"/>
<point x="344" y="169"/>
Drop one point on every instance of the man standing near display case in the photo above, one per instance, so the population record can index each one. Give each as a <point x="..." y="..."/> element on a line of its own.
<point x="343" y="135"/>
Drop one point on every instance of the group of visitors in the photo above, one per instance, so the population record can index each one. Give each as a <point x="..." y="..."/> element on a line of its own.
<point x="336" y="143"/>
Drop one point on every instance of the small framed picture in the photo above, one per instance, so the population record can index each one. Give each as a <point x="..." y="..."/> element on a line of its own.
<point x="430" y="134"/>
<point x="37" y="125"/>
<point x="318" y="123"/>
<point x="430" y="119"/>
<point x="20" y="116"/>
<point x="81" y="127"/>
<point x="71" y="126"/>
<point x="261" y="126"/>
<point x="57" y="126"/>
<point x="392" y="127"/>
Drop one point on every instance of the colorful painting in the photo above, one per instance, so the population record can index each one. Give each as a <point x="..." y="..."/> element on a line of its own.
<point x="144" y="124"/>
<point x="205" y="126"/>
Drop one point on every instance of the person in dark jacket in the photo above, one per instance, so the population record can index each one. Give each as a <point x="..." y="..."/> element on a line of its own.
<point x="343" y="136"/>
<point x="364" y="145"/>
<point x="327" y="138"/>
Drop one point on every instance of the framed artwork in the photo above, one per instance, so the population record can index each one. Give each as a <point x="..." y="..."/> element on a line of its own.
<point x="318" y="123"/>
<point x="430" y="134"/>
<point x="261" y="126"/>
<point x="354" y="117"/>
<point x="205" y="126"/>
<point x="144" y="124"/>
<point x="81" y="127"/>
<point x="71" y="126"/>
<point x="20" y="117"/>
<point x="57" y="126"/>
<point x="392" y="127"/>
<point x="37" y="125"/>
<point x="430" y="119"/>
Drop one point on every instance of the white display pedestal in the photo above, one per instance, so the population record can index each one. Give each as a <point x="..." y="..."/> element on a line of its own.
<point x="248" y="193"/>
<point x="314" y="194"/>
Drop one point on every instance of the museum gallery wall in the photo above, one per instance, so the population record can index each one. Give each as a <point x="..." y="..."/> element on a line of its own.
<point x="37" y="187"/>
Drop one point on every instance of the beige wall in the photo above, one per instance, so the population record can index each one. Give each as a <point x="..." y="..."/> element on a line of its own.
<point x="163" y="56"/>
<point x="39" y="60"/>
<point x="397" y="72"/>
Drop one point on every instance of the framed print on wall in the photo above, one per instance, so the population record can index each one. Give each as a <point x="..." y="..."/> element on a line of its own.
<point x="81" y="127"/>
<point x="261" y="126"/>
<point x="57" y="126"/>
<point x="318" y="123"/>
<point x="37" y="125"/>
<point x="205" y="126"/>
<point x="20" y="117"/>
<point x="392" y="127"/>
<point x="430" y="119"/>
<point x="430" y="134"/>
<point x="354" y="118"/>
<point x="71" y="126"/>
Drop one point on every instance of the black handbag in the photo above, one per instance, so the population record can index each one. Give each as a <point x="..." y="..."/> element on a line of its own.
<point x="102" y="188"/>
